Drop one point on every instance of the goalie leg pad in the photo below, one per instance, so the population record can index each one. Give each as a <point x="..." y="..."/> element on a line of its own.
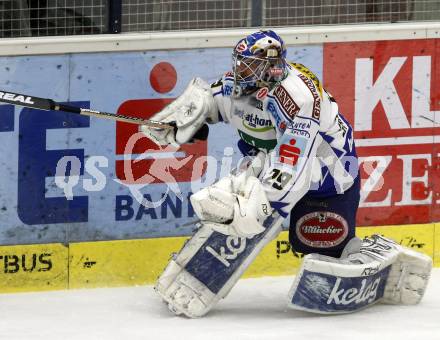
<point x="208" y="266"/>
<point x="408" y="278"/>
<point x="182" y="292"/>
<point x="381" y="270"/>
<point x="330" y="288"/>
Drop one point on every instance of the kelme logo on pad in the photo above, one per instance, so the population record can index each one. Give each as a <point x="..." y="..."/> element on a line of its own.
<point x="364" y="293"/>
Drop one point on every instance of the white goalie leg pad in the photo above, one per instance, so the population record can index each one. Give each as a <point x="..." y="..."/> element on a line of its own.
<point x="182" y="292"/>
<point x="380" y="270"/>
<point x="210" y="263"/>
<point x="326" y="286"/>
<point x="208" y="266"/>
<point x="409" y="275"/>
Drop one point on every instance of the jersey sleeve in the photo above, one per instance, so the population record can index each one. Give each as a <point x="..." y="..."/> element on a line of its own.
<point x="221" y="91"/>
<point x="287" y="173"/>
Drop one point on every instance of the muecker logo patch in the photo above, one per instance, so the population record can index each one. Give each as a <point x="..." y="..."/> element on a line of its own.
<point x="282" y="126"/>
<point x="322" y="229"/>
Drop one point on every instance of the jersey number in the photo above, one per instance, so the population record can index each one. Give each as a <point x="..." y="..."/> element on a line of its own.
<point x="278" y="179"/>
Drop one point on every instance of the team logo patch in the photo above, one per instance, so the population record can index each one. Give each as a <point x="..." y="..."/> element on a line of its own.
<point x="322" y="229"/>
<point x="282" y="126"/>
<point x="241" y="47"/>
<point x="289" y="153"/>
<point x="262" y="93"/>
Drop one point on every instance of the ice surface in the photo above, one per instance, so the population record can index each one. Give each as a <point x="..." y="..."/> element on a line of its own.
<point x="255" y="309"/>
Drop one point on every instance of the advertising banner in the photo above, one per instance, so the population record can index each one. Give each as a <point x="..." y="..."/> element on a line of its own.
<point x="69" y="178"/>
<point x="390" y="92"/>
<point x="66" y="179"/>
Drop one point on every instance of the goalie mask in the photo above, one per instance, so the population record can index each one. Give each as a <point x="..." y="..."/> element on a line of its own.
<point x="258" y="61"/>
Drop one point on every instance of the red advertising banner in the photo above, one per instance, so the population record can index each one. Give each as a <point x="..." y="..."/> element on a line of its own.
<point x="390" y="92"/>
<point x="144" y="162"/>
<point x="174" y="165"/>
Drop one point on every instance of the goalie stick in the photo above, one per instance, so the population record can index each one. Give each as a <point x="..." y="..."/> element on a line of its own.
<point x="49" y="104"/>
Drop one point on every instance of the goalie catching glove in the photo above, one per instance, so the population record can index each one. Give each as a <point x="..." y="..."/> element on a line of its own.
<point x="188" y="113"/>
<point x="235" y="205"/>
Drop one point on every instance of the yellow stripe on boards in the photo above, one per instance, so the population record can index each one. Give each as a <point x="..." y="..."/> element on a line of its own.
<point x="139" y="262"/>
<point x="120" y="263"/>
<point x="37" y="267"/>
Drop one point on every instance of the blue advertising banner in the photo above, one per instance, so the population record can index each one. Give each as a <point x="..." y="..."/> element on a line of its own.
<point x="69" y="178"/>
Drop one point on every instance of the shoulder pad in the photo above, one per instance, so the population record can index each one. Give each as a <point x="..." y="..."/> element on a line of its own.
<point x="309" y="92"/>
<point x="306" y="72"/>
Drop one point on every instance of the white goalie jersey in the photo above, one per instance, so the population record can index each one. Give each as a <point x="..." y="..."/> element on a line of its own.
<point x="302" y="145"/>
<point x="297" y="123"/>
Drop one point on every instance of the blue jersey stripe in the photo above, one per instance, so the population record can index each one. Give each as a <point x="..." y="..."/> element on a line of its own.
<point x="299" y="175"/>
<point x="287" y="117"/>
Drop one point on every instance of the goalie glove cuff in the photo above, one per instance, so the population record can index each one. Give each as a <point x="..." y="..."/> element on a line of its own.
<point x="235" y="205"/>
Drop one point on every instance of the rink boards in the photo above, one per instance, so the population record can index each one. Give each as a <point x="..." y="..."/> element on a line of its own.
<point x="68" y="178"/>
<point x="139" y="262"/>
<point x="71" y="187"/>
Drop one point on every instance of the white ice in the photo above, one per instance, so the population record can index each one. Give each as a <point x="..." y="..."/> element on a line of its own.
<point x="255" y="309"/>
